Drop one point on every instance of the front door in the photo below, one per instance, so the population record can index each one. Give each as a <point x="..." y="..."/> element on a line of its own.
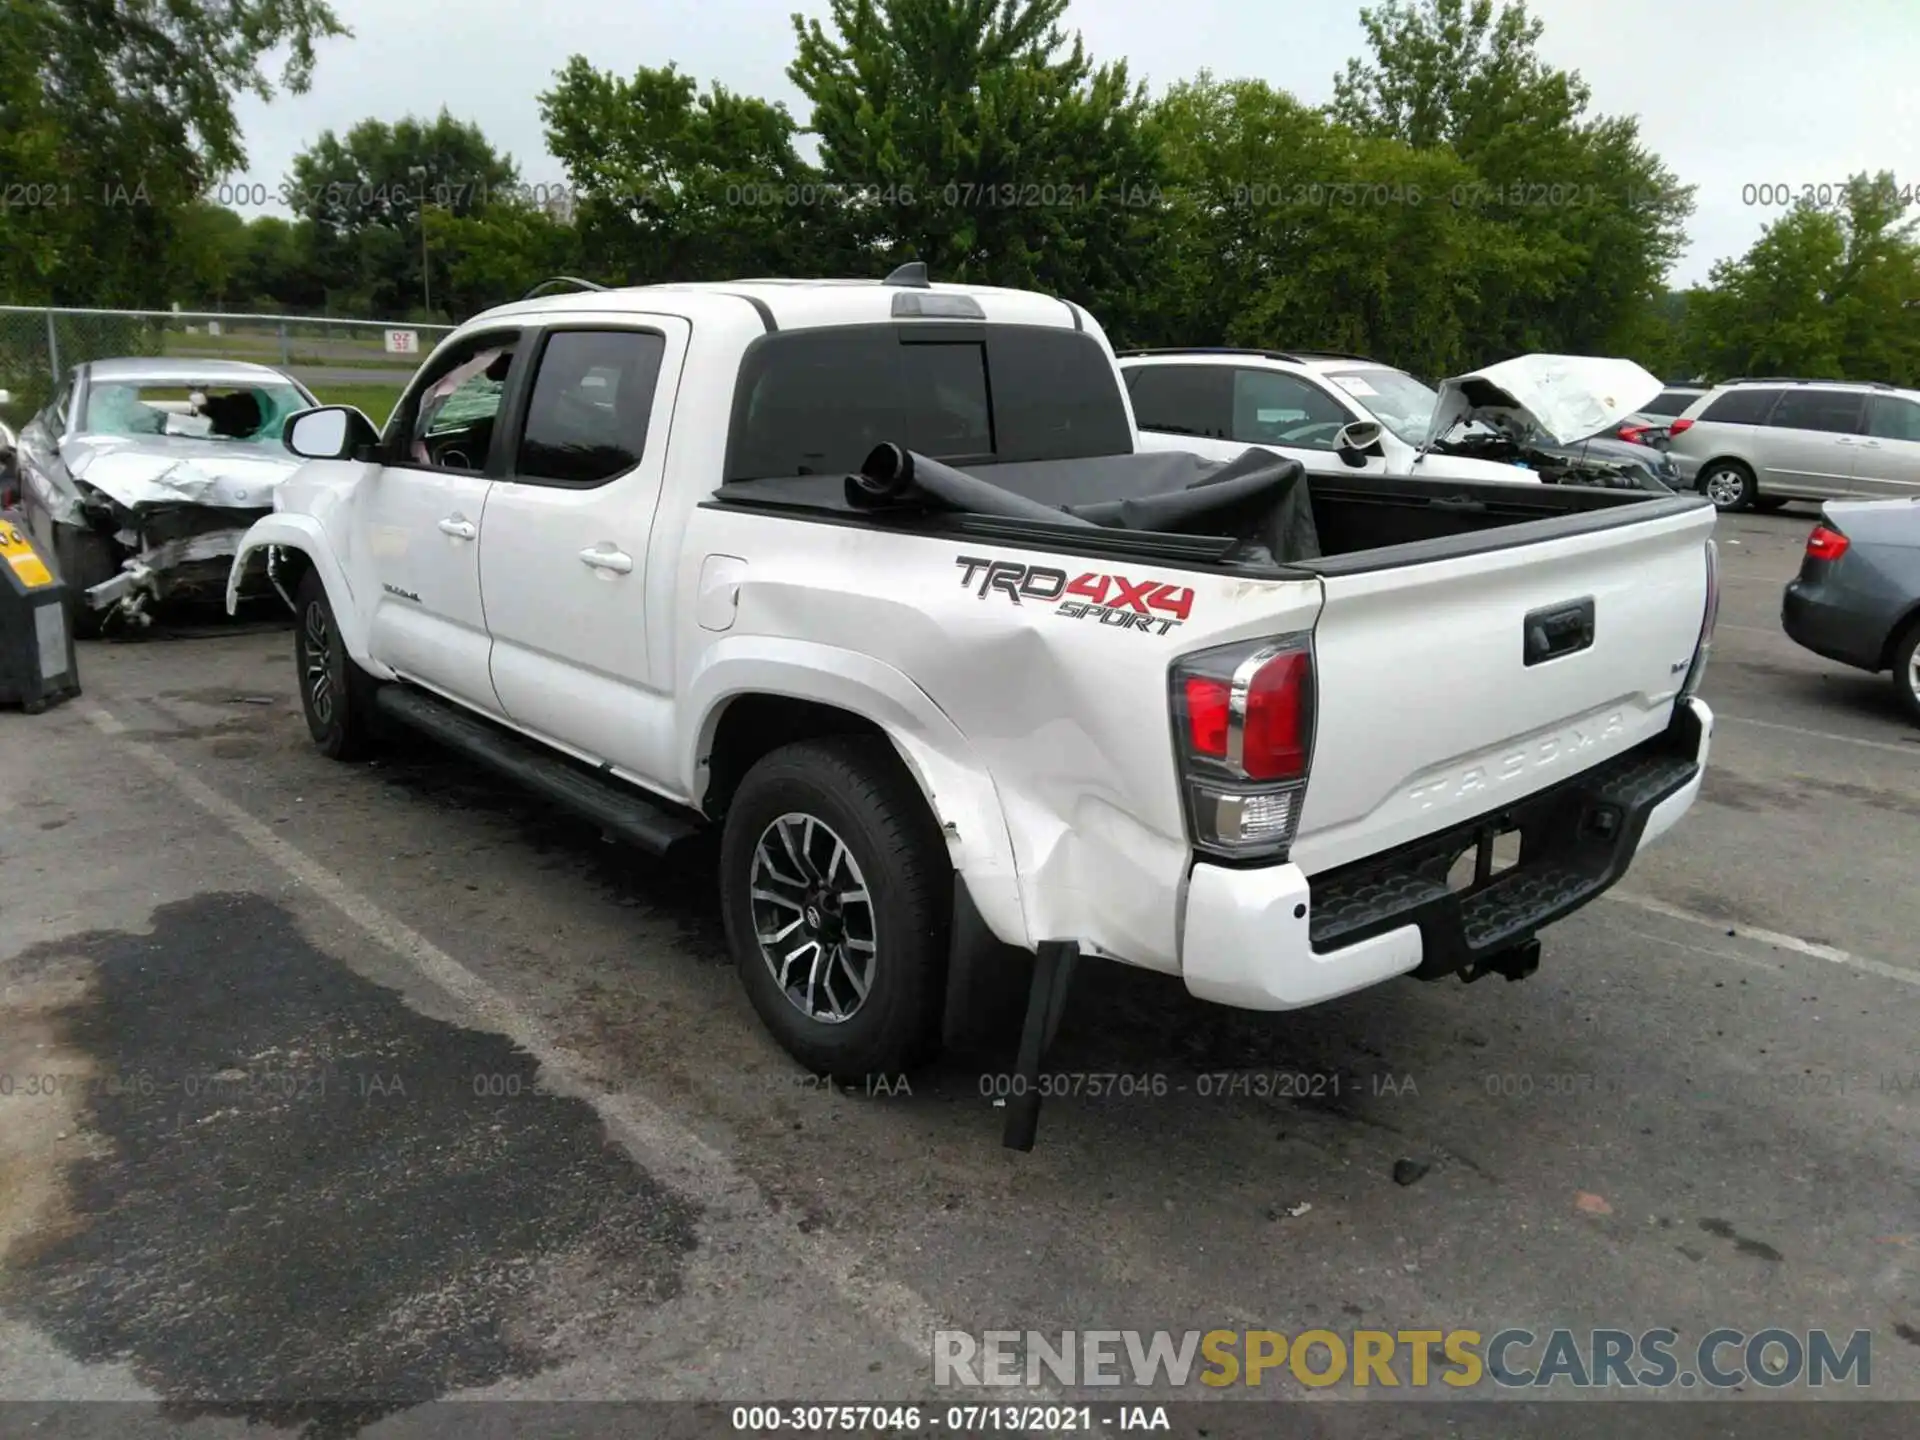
<point x="423" y="513"/>
<point x="563" y="561"/>
<point x="1886" y="460"/>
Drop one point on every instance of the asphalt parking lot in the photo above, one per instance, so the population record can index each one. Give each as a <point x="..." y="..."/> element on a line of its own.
<point x="385" y="1084"/>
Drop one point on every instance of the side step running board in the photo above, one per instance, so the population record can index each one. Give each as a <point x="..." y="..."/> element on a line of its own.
<point x="604" y="800"/>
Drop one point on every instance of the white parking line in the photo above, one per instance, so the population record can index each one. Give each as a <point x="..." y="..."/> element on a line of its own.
<point x="668" y="1151"/>
<point x="1911" y="751"/>
<point x="1775" y="938"/>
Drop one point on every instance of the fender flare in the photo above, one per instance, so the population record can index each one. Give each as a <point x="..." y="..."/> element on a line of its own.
<point x="955" y="782"/>
<point x="288" y="530"/>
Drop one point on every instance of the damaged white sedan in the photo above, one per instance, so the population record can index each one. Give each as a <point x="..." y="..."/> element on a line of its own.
<point x="141" y="475"/>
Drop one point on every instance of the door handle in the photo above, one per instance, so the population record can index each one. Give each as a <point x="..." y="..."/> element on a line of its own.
<point x="1549" y="633"/>
<point x="614" y="560"/>
<point x="460" y="529"/>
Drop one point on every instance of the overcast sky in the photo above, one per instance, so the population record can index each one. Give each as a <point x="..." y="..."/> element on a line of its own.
<point x="1730" y="93"/>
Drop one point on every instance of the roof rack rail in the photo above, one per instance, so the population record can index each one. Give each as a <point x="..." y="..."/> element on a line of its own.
<point x="1295" y="356"/>
<point x="572" y="280"/>
<point x="1804" y="380"/>
<point x="1212" y="350"/>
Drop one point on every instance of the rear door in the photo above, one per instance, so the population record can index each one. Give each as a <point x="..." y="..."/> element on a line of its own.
<point x="1886" y="464"/>
<point x="1432" y="711"/>
<point x="563" y="561"/>
<point x="1810" y="440"/>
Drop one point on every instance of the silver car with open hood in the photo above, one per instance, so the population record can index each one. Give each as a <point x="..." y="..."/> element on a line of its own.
<point x="141" y="475"/>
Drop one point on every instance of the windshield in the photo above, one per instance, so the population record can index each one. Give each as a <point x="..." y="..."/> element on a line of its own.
<point x="244" y="415"/>
<point x="1394" y="398"/>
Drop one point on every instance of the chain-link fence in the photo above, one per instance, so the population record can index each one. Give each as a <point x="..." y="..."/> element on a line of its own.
<point x="39" y="347"/>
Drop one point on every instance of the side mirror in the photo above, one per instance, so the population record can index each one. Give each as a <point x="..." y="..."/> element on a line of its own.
<point x="1357" y="441"/>
<point x="332" y="432"/>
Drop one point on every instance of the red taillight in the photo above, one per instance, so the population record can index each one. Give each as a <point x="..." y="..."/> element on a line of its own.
<point x="1679" y="427"/>
<point x="1207" y="710"/>
<point x="1825" y="544"/>
<point x="1632" y="432"/>
<point x="1243" y="726"/>
<point x="1274" y="741"/>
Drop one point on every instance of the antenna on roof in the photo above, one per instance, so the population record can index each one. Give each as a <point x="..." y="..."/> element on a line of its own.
<point x="577" y="283"/>
<point x="912" y="275"/>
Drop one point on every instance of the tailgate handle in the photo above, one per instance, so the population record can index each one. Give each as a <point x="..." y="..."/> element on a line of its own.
<point x="1558" y="630"/>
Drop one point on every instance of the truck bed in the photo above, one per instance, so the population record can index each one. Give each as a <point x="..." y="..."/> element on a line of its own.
<point x="1353" y="522"/>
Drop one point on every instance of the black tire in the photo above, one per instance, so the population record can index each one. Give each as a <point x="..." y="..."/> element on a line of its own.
<point x="336" y="695"/>
<point x="855" y="791"/>
<point x="1738" y="489"/>
<point x="84" y="560"/>
<point x="1768" y="504"/>
<point x="1906" y="670"/>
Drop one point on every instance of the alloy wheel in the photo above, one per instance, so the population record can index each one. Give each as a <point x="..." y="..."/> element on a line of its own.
<point x="1726" y="487"/>
<point x="813" y="918"/>
<point x="318" y="663"/>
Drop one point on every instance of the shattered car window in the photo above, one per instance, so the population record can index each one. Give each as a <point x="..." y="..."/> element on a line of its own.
<point x="245" y="415"/>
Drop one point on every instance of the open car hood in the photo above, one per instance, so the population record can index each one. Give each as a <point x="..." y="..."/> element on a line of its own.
<point x="173" y="471"/>
<point x="1567" y="397"/>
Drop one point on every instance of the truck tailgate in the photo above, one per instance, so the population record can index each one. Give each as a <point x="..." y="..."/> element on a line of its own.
<point x="1450" y="687"/>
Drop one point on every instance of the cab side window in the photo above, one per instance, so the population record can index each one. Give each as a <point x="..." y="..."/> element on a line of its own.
<point x="591" y="403"/>
<point x="448" y="422"/>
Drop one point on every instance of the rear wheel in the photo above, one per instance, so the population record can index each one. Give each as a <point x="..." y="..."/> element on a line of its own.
<point x="1906" y="670"/>
<point x="835" y="890"/>
<point x="335" y="694"/>
<point x="84" y="560"/>
<point x="1729" y="485"/>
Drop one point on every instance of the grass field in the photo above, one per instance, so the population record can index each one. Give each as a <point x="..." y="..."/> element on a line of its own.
<point x="264" y="349"/>
<point x="377" y="401"/>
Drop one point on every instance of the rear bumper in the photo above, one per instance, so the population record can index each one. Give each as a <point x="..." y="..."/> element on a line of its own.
<point x="1837" y="630"/>
<point x="1271" y="939"/>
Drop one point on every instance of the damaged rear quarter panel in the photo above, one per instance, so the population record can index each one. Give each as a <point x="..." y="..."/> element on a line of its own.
<point x="1064" y="699"/>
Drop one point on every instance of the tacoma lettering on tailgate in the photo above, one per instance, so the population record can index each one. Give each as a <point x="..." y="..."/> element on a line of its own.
<point x="1544" y="754"/>
<point x="1115" y="600"/>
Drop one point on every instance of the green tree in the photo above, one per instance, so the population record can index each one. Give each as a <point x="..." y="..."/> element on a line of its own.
<point x="122" y="115"/>
<point x="500" y="252"/>
<point x="1589" y="218"/>
<point x="365" y="193"/>
<point x="977" y="136"/>
<point x="1820" y="293"/>
<point x="1292" y="231"/>
<point x="673" y="184"/>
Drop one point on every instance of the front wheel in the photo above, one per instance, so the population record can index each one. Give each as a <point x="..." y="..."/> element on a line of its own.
<point x="835" y="890"/>
<point x="84" y="560"/>
<point x="1906" y="671"/>
<point x="335" y="694"/>
<point x="1729" y="485"/>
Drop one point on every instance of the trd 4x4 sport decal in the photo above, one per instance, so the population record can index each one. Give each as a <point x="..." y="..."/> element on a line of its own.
<point x="1150" y="605"/>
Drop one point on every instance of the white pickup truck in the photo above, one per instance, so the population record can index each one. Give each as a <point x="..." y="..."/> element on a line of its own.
<point x="873" y="577"/>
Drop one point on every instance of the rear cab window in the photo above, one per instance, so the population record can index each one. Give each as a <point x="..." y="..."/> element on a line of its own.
<point x="816" y="402"/>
